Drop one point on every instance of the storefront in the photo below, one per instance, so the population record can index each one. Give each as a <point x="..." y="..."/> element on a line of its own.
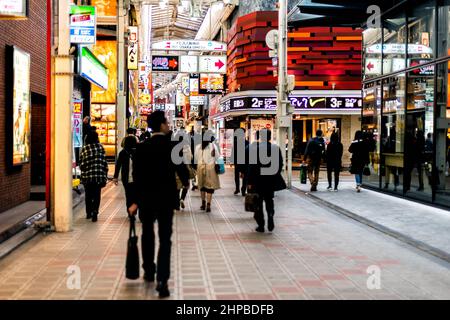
<point x="330" y="111"/>
<point x="406" y="108"/>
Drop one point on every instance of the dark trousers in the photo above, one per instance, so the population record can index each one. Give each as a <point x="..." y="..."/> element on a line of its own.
<point x="184" y="193"/>
<point x="265" y="197"/>
<point x="313" y="172"/>
<point x="165" y="220"/>
<point x="237" y="179"/>
<point x="337" y="171"/>
<point x="129" y="192"/>
<point x="93" y="194"/>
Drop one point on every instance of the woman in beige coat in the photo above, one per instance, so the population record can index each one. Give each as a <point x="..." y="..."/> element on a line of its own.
<point x="206" y="156"/>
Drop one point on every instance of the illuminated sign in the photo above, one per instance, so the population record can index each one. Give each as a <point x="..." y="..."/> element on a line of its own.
<point x="10" y="9"/>
<point x="190" y="45"/>
<point x="211" y="83"/>
<point x="92" y="69"/>
<point x="212" y="64"/>
<point x="399" y="48"/>
<point x="82" y="25"/>
<point x="299" y="103"/>
<point x="133" y="48"/>
<point x="189" y="64"/>
<point x="165" y="63"/>
<point x="77" y="123"/>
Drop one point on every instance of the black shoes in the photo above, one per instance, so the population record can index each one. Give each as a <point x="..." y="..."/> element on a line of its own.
<point x="236" y="191"/>
<point x="95" y="217"/>
<point x="149" y="277"/>
<point x="203" y="207"/>
<point x="270" y="224"/>
<point x="163" y="289"/>
<point x="208" y="207"/>
<point x="182" y="205"/>
<point x="89" y="216"/>
<point x="260" y="229"/>
<point x="313" y="189"/>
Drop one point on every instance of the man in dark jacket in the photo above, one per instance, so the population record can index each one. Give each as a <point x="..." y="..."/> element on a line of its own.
<point x="124" y="164"/>
<point x="264" y="176"/>
<point x="313" y="157"/>
<point x="239" y="157"/>
<point x="156" y="193"/>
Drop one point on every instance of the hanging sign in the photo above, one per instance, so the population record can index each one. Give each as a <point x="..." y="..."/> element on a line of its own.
<point x="82" y="25"/>
<point x="211" y="83"/>
<point x="133" y="48"/>
<point x="77" y="123"/>
<point x="212" y="64"/>
<point x="13" y="9"/>
<point x="165" y="63"/>
<point x="189" y="64"/>
<point x="92" y="69"/>
<point x="190" y="45"/>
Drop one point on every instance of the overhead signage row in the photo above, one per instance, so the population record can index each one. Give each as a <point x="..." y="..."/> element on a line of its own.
<point x="82" y="25"/>
<point x="190" y="45"/>
<point x="190" y="64"/>
<point x="399" y="48"/>
<point x="373" y="66"/>
<point x="316" y="103"/>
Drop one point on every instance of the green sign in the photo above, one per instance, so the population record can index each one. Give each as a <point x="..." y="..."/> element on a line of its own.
<point x="92" y="69"/>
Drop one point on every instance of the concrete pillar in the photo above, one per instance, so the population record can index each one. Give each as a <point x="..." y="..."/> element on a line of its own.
<point x="61" y="196"/>
<point x="121" y="115"/>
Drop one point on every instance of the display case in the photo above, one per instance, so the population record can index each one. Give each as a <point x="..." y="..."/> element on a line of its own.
<point x="103" y="117"/>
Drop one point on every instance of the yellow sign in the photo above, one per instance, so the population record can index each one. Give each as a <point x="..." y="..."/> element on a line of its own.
<point x="106" y="52"/>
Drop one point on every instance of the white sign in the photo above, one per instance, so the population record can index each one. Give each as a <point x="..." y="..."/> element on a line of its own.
<point x="190" y="45"/>
<point x="82" y="25"/>
<point x="189" y="64"/>
<point x="185" y="86"/>
<point x="399" y="48"/>
<point x="197" y="100"/>
<point x="272" y="39"/>
<point x="372" y="67"/>
<point x="13" y="8"/>
<point x="133" y="48"/>
<point x="212" y="64"/>
<point x="398" y="64"/>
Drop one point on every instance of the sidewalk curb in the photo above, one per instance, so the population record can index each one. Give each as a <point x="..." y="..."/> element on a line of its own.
<point x="395" y="234"/>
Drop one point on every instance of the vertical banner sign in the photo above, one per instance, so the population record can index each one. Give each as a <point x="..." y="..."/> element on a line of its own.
<point x="77" y="120"/>
<point x="133" y="48"/>
<point x="82" y="25"/>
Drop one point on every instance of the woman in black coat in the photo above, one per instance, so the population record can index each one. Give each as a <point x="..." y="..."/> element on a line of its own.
<point x="124" y="163"/>
<point x="360" y="158"/>
<point x="334" y="153"/>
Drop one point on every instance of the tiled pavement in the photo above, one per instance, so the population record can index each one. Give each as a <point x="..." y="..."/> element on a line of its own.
<point x="314" y="253"/>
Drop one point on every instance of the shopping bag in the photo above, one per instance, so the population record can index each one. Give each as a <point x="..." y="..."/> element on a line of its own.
<point x="303" y="173"/>
<point x="132" y="264"/>
<point x="220" y="166"/>
<point x="366" y="171"/>
<point x="252" y="202"/>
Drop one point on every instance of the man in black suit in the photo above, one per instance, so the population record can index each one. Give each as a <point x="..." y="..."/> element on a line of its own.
<point x="156" y="193"/>
<point x="239" y="157"/>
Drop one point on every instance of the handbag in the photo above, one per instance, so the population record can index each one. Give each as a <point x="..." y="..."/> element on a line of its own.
<point x="252" y="202"/>
<point x="220" y="166"/>
<point x="366" y="171"/>
<point x="132" y="263"/>
<point x="303" y="174"/>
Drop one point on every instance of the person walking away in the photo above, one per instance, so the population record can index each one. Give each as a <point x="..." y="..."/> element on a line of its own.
<point x="195" y="141"/>
<point x="334" y="154"/>
<point x="313" y="158"/>
<point x="94" y="173"/>
<point x="206" y="155"/>
<point x="124" y="165"/>
<point x="264" y="177"/>
<point x="187" y="160"/>
<point x="360" y="158"/>
<point x="155" y="194"/>
<point x="240" y="161"/>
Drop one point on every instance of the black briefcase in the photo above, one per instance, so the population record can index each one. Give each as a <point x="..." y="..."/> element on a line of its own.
<point x="132" y="265"/>
<point x="252" y="202"/>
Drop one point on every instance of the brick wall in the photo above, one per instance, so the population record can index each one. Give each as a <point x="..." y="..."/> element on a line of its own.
<point x="29" y="35"/>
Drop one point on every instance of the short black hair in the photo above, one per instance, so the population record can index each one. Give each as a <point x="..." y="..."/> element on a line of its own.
<point x="131" y="130"/>
<point x="92" y="138"/>
<point x="319" y="133"/>
<point x="155" y="120"/>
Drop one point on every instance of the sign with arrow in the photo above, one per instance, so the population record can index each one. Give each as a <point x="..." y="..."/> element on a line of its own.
<point x="372" y="67"/>
<point x="190" y="45"/>
<point x="212" y="64"/>
<point x="165" y="63"/>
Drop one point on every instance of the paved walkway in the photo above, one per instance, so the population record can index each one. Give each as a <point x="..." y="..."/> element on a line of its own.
<point x="314" y="253"/>
<point x="418" y="224"/>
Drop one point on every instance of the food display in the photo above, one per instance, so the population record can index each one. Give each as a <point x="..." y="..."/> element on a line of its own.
<point x="104" y="119"/>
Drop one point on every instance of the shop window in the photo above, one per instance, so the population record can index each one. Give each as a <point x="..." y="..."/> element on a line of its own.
<point x="394" y="34"/>
<point x="419" y="134"/>
<point x="371" y="128"/>
<point x="392" y="133"/>
<point x="441" y="176"/>
<point x="421" y="33"/>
